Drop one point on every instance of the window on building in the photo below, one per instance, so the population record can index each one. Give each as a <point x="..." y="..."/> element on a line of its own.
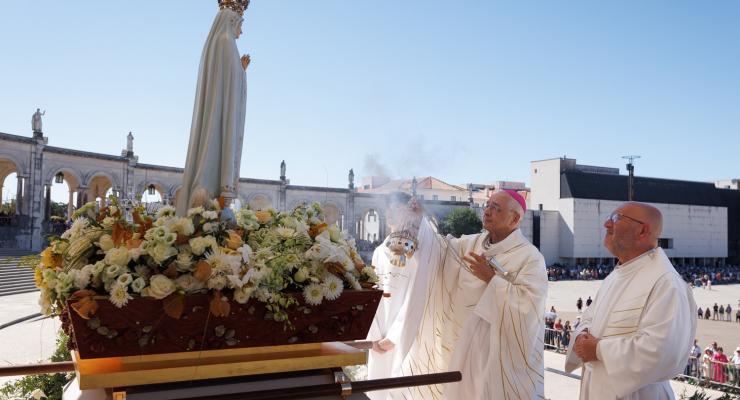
<point x="435" y="197"/>
<point x="666" y="243"/>
<point x="453" y="198"/>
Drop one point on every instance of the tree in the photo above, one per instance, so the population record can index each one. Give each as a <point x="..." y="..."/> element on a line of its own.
<point x="59" y="209"/>
<point x="461" y="221"/>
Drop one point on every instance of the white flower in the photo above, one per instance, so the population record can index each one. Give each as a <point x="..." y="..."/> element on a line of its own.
<point x="161" y="251"/>
<point x="79" y="225"/>
<point x="124" y="279"/>
<point x="135" y="253"/>
<point x="112" y="271"/>
<point x="188" y="283"/>
<point x="195" y="211"/>
<point x="313" y="294"/>
<point x="209" y="227"/>
<point x="138" y="285"/>
<point x="352" y="280"/>
<point x="98" y="268"/>
<point x="45" y="301"/>
<point x="223" y="262"/>
<point x="371" y="275"/>
<point x="301" y="275"/>
<point x="246" y="252"/>
<point x="183" y="226"/>
<point x="37" y="394"/>
<point x="184" y="261"/>
<point x="166" y="211"/>
<point x="217" y="282"/>
<point x="117" y="256"/>
<point x="243" y="294"/>
<point x="333" y="287"/>
<point x="199" y="244"/>
<point x="285" y="233"/>
<point x="82" y="276"/>
<point x="119" y="295"/>
<point x="211" y="215"/>
<point x="160" y="287"/>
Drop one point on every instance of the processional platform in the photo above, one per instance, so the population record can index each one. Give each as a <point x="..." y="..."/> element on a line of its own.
<point x="300" y="371"/>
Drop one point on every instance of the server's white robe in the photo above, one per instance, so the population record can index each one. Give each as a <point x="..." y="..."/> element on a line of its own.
<point x="645" y="316"/>
<point x="500" y="352"/>
<point x="390" y="318"/>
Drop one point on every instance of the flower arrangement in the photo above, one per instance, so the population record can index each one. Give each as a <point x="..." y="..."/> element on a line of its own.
<point x="263" y="255"/>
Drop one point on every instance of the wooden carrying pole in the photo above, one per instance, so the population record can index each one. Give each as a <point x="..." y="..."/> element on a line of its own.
<point x="342" y="389"/>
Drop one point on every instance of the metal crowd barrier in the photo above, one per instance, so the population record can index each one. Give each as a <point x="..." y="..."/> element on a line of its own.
<point x="704" y="371"/>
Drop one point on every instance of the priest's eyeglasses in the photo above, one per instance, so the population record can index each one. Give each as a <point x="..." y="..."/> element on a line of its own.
<point x="617" y="216"/>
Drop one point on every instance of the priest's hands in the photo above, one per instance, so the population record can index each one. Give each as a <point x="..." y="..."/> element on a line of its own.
<point x="383" y="345"/>
<point x="585" y="347"/>
<point x="479" y="267"/>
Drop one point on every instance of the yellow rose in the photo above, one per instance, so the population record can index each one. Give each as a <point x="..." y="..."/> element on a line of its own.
<point x="263" y="216"/>
<point x="235" y="241"/>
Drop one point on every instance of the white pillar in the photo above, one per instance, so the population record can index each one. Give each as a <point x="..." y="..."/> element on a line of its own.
<point x="70" y="207"/>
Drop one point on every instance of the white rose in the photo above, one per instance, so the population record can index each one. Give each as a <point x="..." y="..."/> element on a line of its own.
<point x="198" y="245"/>
<point x="243" y="294"/>
<point x="117" y="256"/>
<point x="183" y="226"/>
<point x="184" y="261"/>
<point x="210" y="215"/>
<point x="161" y="252"/>
<point x="135" y="253"/>
<point x="188" y="283"/>
<point x="160" y="287"/>
<point x="301" y="275"/>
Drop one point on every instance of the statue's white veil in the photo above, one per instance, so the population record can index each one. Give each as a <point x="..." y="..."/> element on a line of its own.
<point x="217" y="129"/>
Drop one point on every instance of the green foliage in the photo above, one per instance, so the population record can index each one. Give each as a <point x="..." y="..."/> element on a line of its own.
<point x="59" y="210"/>
<point x="461" y="221"/>
<point x="8" y="208"/>
<point x="50" y="384"/>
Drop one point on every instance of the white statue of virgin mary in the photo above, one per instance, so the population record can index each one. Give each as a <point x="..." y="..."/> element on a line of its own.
<point x="217" y="130"/>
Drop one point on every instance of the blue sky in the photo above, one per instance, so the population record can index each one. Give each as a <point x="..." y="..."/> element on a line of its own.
<point x="468" y="91"/>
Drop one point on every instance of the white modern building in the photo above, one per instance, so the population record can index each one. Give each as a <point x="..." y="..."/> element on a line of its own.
<point x="570" y="202"/>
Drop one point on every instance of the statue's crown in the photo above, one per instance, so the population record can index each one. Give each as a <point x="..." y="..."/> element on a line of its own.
<point x="237" y="5"/>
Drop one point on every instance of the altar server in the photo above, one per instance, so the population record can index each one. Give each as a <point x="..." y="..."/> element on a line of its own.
<point x="630" y="340"/>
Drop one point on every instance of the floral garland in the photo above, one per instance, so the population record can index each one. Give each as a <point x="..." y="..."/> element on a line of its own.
<point x="261" y="255"/>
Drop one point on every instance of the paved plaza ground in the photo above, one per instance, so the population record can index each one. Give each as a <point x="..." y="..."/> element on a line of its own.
<point x="33" y="340"/>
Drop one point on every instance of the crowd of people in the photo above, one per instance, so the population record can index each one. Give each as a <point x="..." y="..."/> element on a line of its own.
<point x="557" y="272"/>
<point x="699" y="276"/>
<point x="705" y="277"/>
<point x="720" y="313"/>
<point x="713" y="364"/>
<point x="557" y="334"/>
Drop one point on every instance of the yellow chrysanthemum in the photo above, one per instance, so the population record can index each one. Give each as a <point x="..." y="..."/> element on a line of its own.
<point x="49" y="259"/>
